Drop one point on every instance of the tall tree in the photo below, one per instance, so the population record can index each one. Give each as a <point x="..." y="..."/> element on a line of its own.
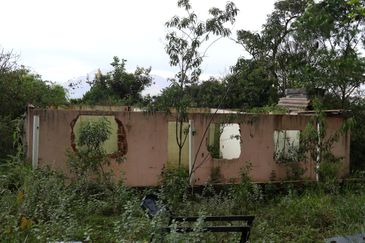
<point x="274" y="46"/>
<point x="313" y="45"/>
<point x="188" y="39"/>
<point x="338" y="38"/>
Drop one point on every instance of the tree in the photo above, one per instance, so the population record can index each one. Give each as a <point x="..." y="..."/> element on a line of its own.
<point x="358" y="8"/>
<point x="8" y="61"/>
<point x="22" y="87"/>
<point x="311" y="44"/>
<point x="91" y="157"/>
<point x="167" y="98"/>
<point x="337" y="37"/>
<point x="250" y="85"/>
<point x="19" y="87"/>
<point x="273" y="46"/>
<point x="118" y="86"/>
<point x="207" y="94"/>
<point x="185" y="46"/>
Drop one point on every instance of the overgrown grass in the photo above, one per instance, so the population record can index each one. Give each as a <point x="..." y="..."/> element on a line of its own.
<point x="39" y="206"/>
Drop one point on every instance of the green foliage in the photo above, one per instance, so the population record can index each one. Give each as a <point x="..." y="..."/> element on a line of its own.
<point x="38" y="206"/>
<point x="174" y="185"/>
<point x="168" y="100"/>
<point x="312" y="45"/>
<point x="293" y="150"/>
<point x="293" y="154"/>
<point x="118" y="87"/>
<point x="357" y="147"/>
<point x="251" y="78"/>
<point x="308" y="218"/>
<point x="90" y="157"/>
<point x="188" y="33"/>
<point x="13" y="175"/>
<point x="357" y="8"/>
<point x="34" y="199"/>
<point x="307" y="44"/>
<point x="7" y="128"/>
<point x="19" y="87"/>
<point x="328" y="173"/>
<point x="318" y="144"/>
<point x="92" y="135"/>
<point x="295" y="172"/>
<point x="271" y="48"/>
<point x="214" y="149"/>
<point x="22" y="88"/>
<point x="246" y="194"/>
<point x="272" y="109"/>
<point x="138" y="226"/>
<point x="337" y="37"/>
<point x="207" y="94"/>
<point x="185" y="46"/>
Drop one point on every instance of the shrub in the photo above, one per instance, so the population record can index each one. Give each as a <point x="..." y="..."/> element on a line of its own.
<point x="90" y="156"/>
<point x="174" y="185"/>
<point x="246" y="193"/>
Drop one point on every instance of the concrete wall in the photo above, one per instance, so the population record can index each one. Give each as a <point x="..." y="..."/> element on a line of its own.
<point x="143" y="138"/>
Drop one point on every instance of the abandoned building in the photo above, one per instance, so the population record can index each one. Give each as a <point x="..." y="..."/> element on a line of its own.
<point x="218" y="146"/>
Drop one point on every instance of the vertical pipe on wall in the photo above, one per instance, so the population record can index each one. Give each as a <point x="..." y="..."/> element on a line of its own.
<point x="35" y="142"/>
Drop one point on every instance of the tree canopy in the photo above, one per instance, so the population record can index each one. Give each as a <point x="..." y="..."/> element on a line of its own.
<point x="118" y="86"/>
<point x="312" y="45"/>
<point x="18" y="88"/>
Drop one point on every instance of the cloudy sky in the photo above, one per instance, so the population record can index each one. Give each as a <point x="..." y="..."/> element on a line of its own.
<point x="62" y="40"/>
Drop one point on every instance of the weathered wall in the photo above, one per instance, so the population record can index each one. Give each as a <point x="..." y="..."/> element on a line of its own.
<point x="145" y="141"/>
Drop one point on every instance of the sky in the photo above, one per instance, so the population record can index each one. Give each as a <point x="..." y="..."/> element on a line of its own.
<point x="63" y="40"/>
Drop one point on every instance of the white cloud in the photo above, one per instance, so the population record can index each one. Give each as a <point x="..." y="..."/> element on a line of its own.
<point x="65" y="39"/>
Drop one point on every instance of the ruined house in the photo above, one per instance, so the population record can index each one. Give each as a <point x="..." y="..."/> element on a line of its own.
<point x="215" y="151"/>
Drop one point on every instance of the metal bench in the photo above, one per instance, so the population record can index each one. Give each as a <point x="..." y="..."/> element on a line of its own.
<point x="149" y="203"/>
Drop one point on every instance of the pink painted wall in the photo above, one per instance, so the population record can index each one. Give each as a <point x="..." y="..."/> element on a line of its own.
<point x="147" y="137"/>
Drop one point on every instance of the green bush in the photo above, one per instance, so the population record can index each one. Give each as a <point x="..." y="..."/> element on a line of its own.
<point x="42" y="207"/>
<point x="174" y="185"/>
<point x="90" y="156"/>
<point x="245" y="194"/>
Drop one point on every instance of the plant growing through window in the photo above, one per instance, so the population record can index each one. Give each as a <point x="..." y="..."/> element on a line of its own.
<point x="287" y="146"/>
<point x="188" y="40"/>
